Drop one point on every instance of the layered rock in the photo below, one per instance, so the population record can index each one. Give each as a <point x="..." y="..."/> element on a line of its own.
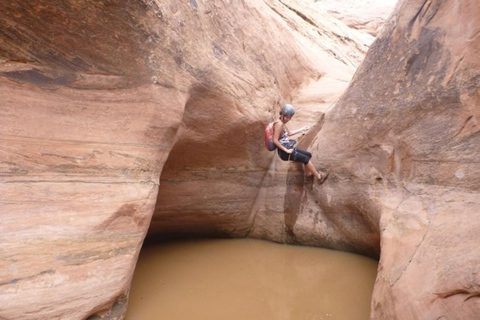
<point x="101" y="98"/>
<point x="402" y="147"/>
<point x="94" y="97"/>
<point x="365" y="15"/>
<point x="84" y="132"/>
<point x="214" y="178"/>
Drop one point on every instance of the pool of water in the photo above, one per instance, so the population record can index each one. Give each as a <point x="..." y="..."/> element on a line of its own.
<point x="230" y="279"/>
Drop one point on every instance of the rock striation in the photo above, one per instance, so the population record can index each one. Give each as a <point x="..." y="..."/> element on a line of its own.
<point x="365" y="15"/>
<point x="101" y="97"/>
<point x="402" y="146"/>
<point x="119" y="117"/>
<point x="212" y="180"/>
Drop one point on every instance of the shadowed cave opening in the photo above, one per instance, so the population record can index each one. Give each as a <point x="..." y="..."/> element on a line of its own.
<point x="185" y="228"/>
<point x="182" y="222"/>
<point x="423" y="176"/>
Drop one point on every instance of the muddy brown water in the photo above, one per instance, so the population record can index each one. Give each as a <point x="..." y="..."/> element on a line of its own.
<point x="249" y="279"/>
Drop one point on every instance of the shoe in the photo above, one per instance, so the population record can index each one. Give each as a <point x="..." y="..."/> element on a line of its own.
<point x="323" y="176"/>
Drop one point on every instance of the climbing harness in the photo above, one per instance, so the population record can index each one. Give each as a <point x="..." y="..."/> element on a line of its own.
<point x="298" y="141"/>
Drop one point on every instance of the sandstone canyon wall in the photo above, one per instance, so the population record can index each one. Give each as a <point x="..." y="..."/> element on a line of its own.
<point x="365" y="15"/>
<point x="94" y="96"/>
<point x="105" y="101"/>
<point x="214" y="179"/>
<point x="403" y="148"/>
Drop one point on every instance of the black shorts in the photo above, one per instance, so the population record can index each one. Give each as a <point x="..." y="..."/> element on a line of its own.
<point x="298" y="155"/>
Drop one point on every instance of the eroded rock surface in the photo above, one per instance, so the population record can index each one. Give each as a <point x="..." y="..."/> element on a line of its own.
<point x="100" y="98"/>
<point x="95" y="95"/>
<point x="213" y="180"/>
<point x="365" y="15"/>
<point x="403" y="145"/>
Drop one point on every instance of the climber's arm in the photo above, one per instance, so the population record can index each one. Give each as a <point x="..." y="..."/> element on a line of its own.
<point x="303" y="129"/>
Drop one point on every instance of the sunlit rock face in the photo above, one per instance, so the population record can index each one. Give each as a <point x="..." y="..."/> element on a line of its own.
<point x="215" y="181"/>
<point x="402" y="145"/>
<point x="94" y="96"/>
<point x="103" y="101"/>
<point x="365" y="15"/>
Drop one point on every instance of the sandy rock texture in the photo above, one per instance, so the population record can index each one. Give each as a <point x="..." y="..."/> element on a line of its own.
<point x="95" y="96"/>
<point x="403" y="147"/>
<point x="215" y="180"/>
<point x="119" y="116"/>
<point x="365" y="15"/>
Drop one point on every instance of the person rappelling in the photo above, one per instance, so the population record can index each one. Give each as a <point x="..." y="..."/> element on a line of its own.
<point x="277" y="136"/>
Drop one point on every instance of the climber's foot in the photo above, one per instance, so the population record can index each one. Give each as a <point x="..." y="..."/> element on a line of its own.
<point x="323" y="176"/>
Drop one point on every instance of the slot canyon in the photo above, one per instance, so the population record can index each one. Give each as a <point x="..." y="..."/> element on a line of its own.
<point x="124" y="122"/>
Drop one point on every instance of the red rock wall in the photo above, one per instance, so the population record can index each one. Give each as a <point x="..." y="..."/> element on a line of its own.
<point x="94" y="96"/>
<point x="84" y="130"/>
<point x="100" y="99"/>
<point x="215" y="173"/>
<point x="402" y="145"/>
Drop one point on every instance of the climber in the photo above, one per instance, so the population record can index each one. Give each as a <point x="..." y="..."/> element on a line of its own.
<point x="286" y="147"/>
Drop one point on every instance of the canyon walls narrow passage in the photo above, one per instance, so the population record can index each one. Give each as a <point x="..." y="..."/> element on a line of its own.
<point x="94" y="96"/>
<point x="403" y="144"/>
<point x="121" y="117"/>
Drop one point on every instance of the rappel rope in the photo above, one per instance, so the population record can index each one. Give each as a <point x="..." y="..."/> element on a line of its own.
<point x="303" y="136"/>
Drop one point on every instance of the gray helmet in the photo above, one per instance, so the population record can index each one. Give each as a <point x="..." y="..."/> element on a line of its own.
<point x="287" y="110"/>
